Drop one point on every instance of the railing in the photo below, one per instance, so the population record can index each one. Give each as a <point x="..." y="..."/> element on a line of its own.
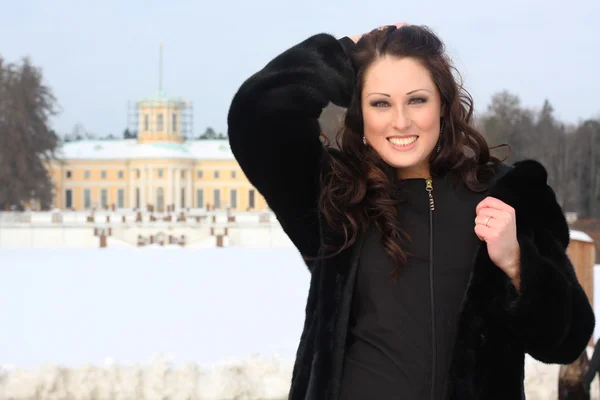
<point x="135" y="228"/>
<point x="127" y="216"/>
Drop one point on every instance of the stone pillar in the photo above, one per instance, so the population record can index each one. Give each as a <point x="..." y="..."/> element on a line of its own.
<point x="189" y="189"/>
<point x="169" y="194"/>
<point x="131" y="188"/>
<point x="142" y="186"/>
<point x="151" y="193"/>
<point x="177" y="199"/>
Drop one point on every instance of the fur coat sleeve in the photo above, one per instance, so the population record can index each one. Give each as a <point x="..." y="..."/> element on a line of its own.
<point x="550" y="315"/>
<point x="274" y="131"/>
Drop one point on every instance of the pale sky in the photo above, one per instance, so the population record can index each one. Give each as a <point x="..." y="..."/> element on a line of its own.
<point x="98" y="56"/>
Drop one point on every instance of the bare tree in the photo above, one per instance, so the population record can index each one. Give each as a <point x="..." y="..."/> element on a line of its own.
<point x="506" y="122"/>
<point x="27" y="143"/>
<point x="571" y="155"/>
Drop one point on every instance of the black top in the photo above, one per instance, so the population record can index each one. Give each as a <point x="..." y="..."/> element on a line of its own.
<point x="390" y="349"/>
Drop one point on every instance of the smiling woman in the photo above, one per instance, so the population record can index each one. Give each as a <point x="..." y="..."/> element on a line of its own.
<point x="402" y="114"/>
<point x="423" y="284"/>
<point x="408" y="118"/>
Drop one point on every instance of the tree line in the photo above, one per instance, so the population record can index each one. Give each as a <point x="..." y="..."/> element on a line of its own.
<point x="570" y="152"/>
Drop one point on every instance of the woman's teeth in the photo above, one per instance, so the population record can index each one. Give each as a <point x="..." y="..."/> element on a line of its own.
<point x="402" y="141"/>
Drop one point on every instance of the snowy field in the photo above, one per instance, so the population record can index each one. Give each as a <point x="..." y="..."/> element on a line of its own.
<point x="78" y="306"/>
<point x="159" y="323"/>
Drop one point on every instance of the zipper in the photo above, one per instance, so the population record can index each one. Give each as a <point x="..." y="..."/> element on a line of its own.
<point x="429" y="188"/>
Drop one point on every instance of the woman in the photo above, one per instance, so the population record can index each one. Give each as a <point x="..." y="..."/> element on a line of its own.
<point x="434" y="267"/>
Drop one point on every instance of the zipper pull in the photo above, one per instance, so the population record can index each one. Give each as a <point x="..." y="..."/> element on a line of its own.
<point x="429" y="189"/>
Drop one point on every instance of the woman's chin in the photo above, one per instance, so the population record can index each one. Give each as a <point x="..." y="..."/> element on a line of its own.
<point x="405" y="161"/>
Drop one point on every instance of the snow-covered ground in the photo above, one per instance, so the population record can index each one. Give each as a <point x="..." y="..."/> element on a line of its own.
<point x="224" y="323"/>
<point x="78" y="306"/>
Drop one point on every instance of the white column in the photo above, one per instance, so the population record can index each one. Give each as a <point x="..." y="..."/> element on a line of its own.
<point x="151" y="193"/>
<point x="169" y="194"/>
<point x="131" y="188"/>
<point x="189" y="189"/>
<point x="177" y="188"/>
<point x="142" y="184"/>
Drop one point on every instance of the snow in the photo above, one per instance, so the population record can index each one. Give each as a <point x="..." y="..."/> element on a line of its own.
<point x="130" y="149"/>
<point x="79" y="306"/>
<point x="581" y="236"/>
<point x="162" y="323"/>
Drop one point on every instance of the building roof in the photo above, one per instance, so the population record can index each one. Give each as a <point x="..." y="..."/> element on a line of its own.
<point x="581" y="236"/>
<point x="130" y="149"/>
<point x="588" y="225"/>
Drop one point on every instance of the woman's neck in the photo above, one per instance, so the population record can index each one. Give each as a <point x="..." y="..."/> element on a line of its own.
<point x="413" y="173"/>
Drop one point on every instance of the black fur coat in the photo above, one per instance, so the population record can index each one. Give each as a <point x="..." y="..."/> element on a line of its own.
<point x="274" y="135"/>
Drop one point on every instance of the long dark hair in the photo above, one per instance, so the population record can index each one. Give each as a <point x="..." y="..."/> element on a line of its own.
<point x="359" y="188"/>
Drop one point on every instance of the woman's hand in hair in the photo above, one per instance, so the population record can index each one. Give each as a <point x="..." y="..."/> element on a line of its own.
<point x="356" y="38"/>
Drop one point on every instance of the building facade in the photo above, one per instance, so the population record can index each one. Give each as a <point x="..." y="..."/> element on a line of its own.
<point x="160" y="168"/>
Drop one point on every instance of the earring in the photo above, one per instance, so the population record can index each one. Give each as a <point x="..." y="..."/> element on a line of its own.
<point x="364" y="140"/>
<point x="439" y="145"/>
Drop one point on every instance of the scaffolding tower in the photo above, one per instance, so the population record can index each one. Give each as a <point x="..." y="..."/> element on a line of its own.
<point x="183" y="125"/>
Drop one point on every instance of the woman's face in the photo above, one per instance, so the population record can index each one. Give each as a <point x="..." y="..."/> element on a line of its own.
<point x="401" y="113"/>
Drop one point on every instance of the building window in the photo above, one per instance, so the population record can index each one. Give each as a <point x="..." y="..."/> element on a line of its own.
<point x="174" y="123"/>
<point x="103" y="174"/>
<point x="159" y="122"/>
<point x="217" y="198"/>
<point x="121" y="198"/>
<point x="137" y="197"/>
<point x="182" y="201"/>
<point x="104" y="198"/>
<point x="160" y="199"/>
<point x="216" y="174"/>
<point x="233" y="199"/>
<point x="233" y="174"/>
<point x="68" y="198"/>
<point x="251" y="199"/>
<point x="183" y="174"/>
<point x="86" y="174"/>
<point x="121" y="174"/>
<point x="146" y="122"/>
<point x="137" y="174"/>
<point x="200" y="198"/>
<point x="87" y="198"/>
<point x="69" y="174"/>
<point x="161" y="173"/>
<point x="199" y="174"/>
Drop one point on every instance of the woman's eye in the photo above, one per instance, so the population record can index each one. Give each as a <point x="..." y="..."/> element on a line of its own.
<point x="418" y="100"/>
<point x="380" y="104"/>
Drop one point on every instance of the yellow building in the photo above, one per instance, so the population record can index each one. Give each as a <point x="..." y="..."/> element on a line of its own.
<point x="159" y="168"/>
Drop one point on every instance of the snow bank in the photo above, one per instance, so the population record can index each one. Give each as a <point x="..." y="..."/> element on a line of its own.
<point x="252" y="378"/>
